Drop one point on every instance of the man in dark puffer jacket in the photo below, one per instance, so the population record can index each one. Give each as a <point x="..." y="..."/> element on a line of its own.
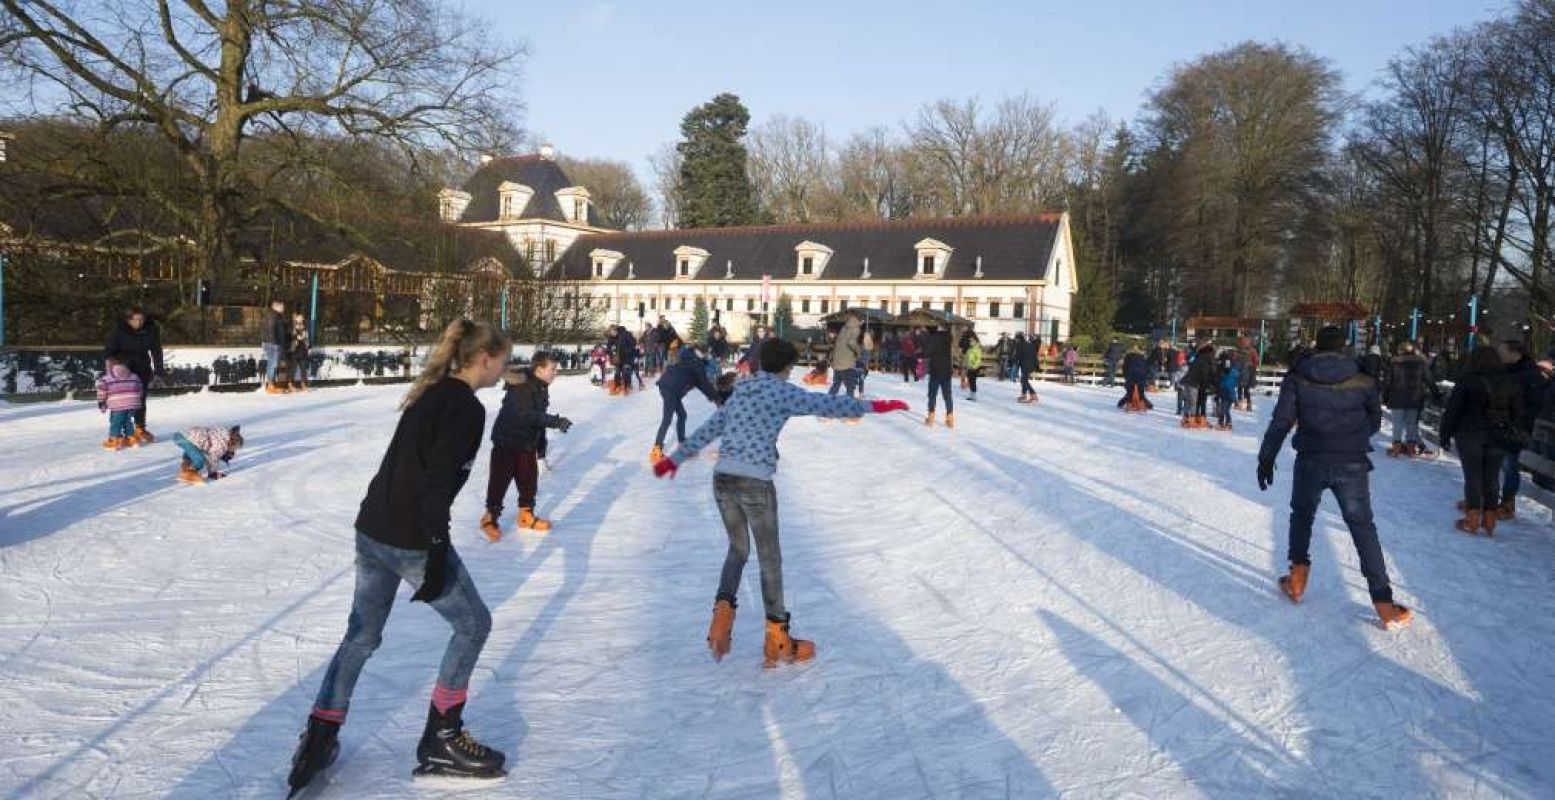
<point x="1534" y="384"/>
<point x="1338" y="412"/>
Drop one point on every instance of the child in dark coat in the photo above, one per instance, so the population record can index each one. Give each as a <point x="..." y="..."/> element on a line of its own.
<point x="518" y="444"/>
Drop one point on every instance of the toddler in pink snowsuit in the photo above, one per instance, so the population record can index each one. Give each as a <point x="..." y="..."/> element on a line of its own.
<point x="119" y="394"/>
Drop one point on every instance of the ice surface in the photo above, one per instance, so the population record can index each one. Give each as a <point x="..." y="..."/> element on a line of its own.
<point x="1059" y="599"/>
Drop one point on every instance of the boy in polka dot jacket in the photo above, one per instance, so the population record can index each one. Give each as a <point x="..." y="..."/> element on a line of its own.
<point x="748" y="426"/>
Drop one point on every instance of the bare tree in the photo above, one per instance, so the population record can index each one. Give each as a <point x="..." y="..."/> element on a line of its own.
<point x="666" y="182"/>
<point x="1010" y="161"/>
<point x="617" y="196"/>
<point x="790" y="166"/>
<point x="209" y="78"/>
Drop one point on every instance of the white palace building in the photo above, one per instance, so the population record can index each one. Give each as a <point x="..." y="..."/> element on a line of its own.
<point x="1007" y="274"/>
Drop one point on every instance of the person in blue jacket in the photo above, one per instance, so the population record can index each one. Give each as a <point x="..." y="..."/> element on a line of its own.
<point x="690" y="372"/>
<point x="1336" y="411"/>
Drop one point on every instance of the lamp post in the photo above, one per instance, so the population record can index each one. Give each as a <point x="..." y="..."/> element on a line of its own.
<point x="1414" y="324"/>
<point x="1473" y="320"/>
<point x="313" y="311"/>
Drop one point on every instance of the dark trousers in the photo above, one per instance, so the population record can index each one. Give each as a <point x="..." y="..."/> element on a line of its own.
<point x="1129" y="387"/>
<point x="1111" y="377"/>
<point x="971" y="379"/>
<point x="1025" y="382"/>
<point x="941" y="385"/>
<point x="909" y="369"/>
<point x="1511" y="477"/>
<point x="749" y="508"/>
<point x="1481" y="462"/>
<point x="674" y="408"/>
<point x="145" y="398"/>
<point x="1350" y="481"/>
<point x="845" y="379"/>
<point x="512" y="466"/>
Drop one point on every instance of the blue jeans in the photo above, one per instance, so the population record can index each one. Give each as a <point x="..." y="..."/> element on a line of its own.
<point x="1406" y="425"/>
<point x="845" y="379"/>
<point x="674" y="408"/>
<point x="941" y="385"/>
<point x="121" y="423"/>
<point x="1350" y="481"/>
<point x="195" y="455"/>
<point x="379" y="570"/>
<point x="272" y="361"/>
<point x="749" y="508"/>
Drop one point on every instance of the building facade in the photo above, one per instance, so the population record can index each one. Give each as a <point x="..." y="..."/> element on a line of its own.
<point x="1007" y="274"/>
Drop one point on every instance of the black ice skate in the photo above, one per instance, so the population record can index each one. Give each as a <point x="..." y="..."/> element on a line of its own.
<point x="316" y="750"/>
<point x="447" y="749"/>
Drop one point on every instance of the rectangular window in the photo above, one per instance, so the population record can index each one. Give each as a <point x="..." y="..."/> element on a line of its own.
<point x="550" y="250"/>
<point x="993" y="309"/>
<point x="970" y="310"/>
<point x="729" y="304"/>
<point x="682" y="303"/>
<point x="885" y="305"/>
<point x="928" y="265"/>
<point x="924" y="305"/>
<point x="653" y="302"/>
<point x="685" y="267"/>
<point x="804" y="306"/>
<point x="950" y="306"/>
<point x="750" y="304"/>
<point x="577" y="209"/>
<point x="808" y="266"/>
<point x="1020" y="311"/>
<point x="842" y="304"/>
<point x="905" y="307"/>
<point x="529" y="250"/>
<point x="507" y="207"/>
<point x="599" y="269"/>
<point x="825" y="306"/>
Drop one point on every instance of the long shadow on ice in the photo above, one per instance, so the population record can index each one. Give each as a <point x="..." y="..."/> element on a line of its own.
<point x="394" y="685"/>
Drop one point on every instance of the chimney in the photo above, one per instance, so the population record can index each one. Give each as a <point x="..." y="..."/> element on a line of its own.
<point x="547" y="152"/>
<point x="866" y="268"/>
<point x="979" y="272"/>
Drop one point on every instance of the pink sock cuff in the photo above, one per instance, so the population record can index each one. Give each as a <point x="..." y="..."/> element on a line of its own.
<point x="444" y="698"/>
<point x="335" y="715"/>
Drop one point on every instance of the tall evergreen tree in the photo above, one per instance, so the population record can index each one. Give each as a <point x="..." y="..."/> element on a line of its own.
<point x="714" y="190"/>
<point x="783" y="315"/>
<point x="699" y="321"/>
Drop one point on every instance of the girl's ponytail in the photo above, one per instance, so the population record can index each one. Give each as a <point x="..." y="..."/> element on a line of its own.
<point x="462" y="341"/>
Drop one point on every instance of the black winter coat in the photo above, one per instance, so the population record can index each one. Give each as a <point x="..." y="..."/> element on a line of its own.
<point x="277" y="330"/>
<point x="525" y="414"/>
<point x="1135" y="368"/>
<point x="1026" y="356"/>
<point x="1114" y="352"/>
<point x="1202" y="373"/>
<point x="686" y="374"/>
<point x="1336" y="406"/>
<point x="1534" y="385"/>
<point x="426" y="465"/>
<point x="1469" y="407"/>
<point x="140" y="351"/>
<point x="1408" y="382"/>
<point x="936" y="354"/>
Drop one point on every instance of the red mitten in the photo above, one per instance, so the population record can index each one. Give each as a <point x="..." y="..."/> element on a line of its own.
<point x="665" y="466"/>
<point x="887" y="406"/>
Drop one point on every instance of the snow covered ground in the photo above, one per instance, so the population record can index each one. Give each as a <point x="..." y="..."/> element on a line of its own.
<point x="1059" y="600"/>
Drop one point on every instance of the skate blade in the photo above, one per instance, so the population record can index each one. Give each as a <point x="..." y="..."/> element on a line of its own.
<point x="448" y="779"/>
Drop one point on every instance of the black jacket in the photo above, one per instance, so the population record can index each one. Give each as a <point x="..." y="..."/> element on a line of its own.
<point x="1201" y="373"/>
<point x="718" y="348"/>
<point x="525" y="414"/>
<point x="1026" y="355"/>
<point x="1337" y="408"/>
<point x="1534" y="385"/>
<point x="140" y="351"/>
<point x="1408" y="382"/>
<point x="276" y="330"/>
<point x="1135" y="368"/>
<point x="1469" y="407"/>
<point x="426" y="465"/>
<point x="686" y="374"/>
<point x="936" y="354"/>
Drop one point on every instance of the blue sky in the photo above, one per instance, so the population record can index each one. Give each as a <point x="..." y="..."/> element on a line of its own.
<point x="613" y="79"/>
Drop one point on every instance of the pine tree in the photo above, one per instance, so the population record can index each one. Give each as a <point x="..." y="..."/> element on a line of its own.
<point x="714" y="189"/>
<point x="699" y="322"/>
<point x="783" y="316"/>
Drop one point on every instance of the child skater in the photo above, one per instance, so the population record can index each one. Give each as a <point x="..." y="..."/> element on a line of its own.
<point x="518" y="444"/>
<point x="402" y="535"/>
<point x="203" y="447"/>
<point x="120" y="394"/>
<point x="688" y="372"/>
<point x="748" y="425"/>
<point x="1230" y="382"/>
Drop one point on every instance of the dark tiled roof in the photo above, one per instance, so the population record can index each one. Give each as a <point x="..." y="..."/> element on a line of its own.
<point x="1012" y="248"/>
<point x="542" y="175"/>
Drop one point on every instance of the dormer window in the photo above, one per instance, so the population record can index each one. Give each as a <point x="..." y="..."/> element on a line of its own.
<point x="933" y="259"/>
<point x="605" y="262"/>
<point x="451" y="204"/>
<point x="574" y="203"/>
<point x="550" y="251"/>
<point x="512" y="199"/>
<point x="813" y="257"/>
<point x="689" y="261"/>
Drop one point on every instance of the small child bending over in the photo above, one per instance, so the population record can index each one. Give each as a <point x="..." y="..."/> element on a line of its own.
<point x="203" y="447"/>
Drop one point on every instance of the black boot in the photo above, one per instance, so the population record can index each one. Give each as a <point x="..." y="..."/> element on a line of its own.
<point x="448" y="749"/>
<point x="316" y="750"/>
